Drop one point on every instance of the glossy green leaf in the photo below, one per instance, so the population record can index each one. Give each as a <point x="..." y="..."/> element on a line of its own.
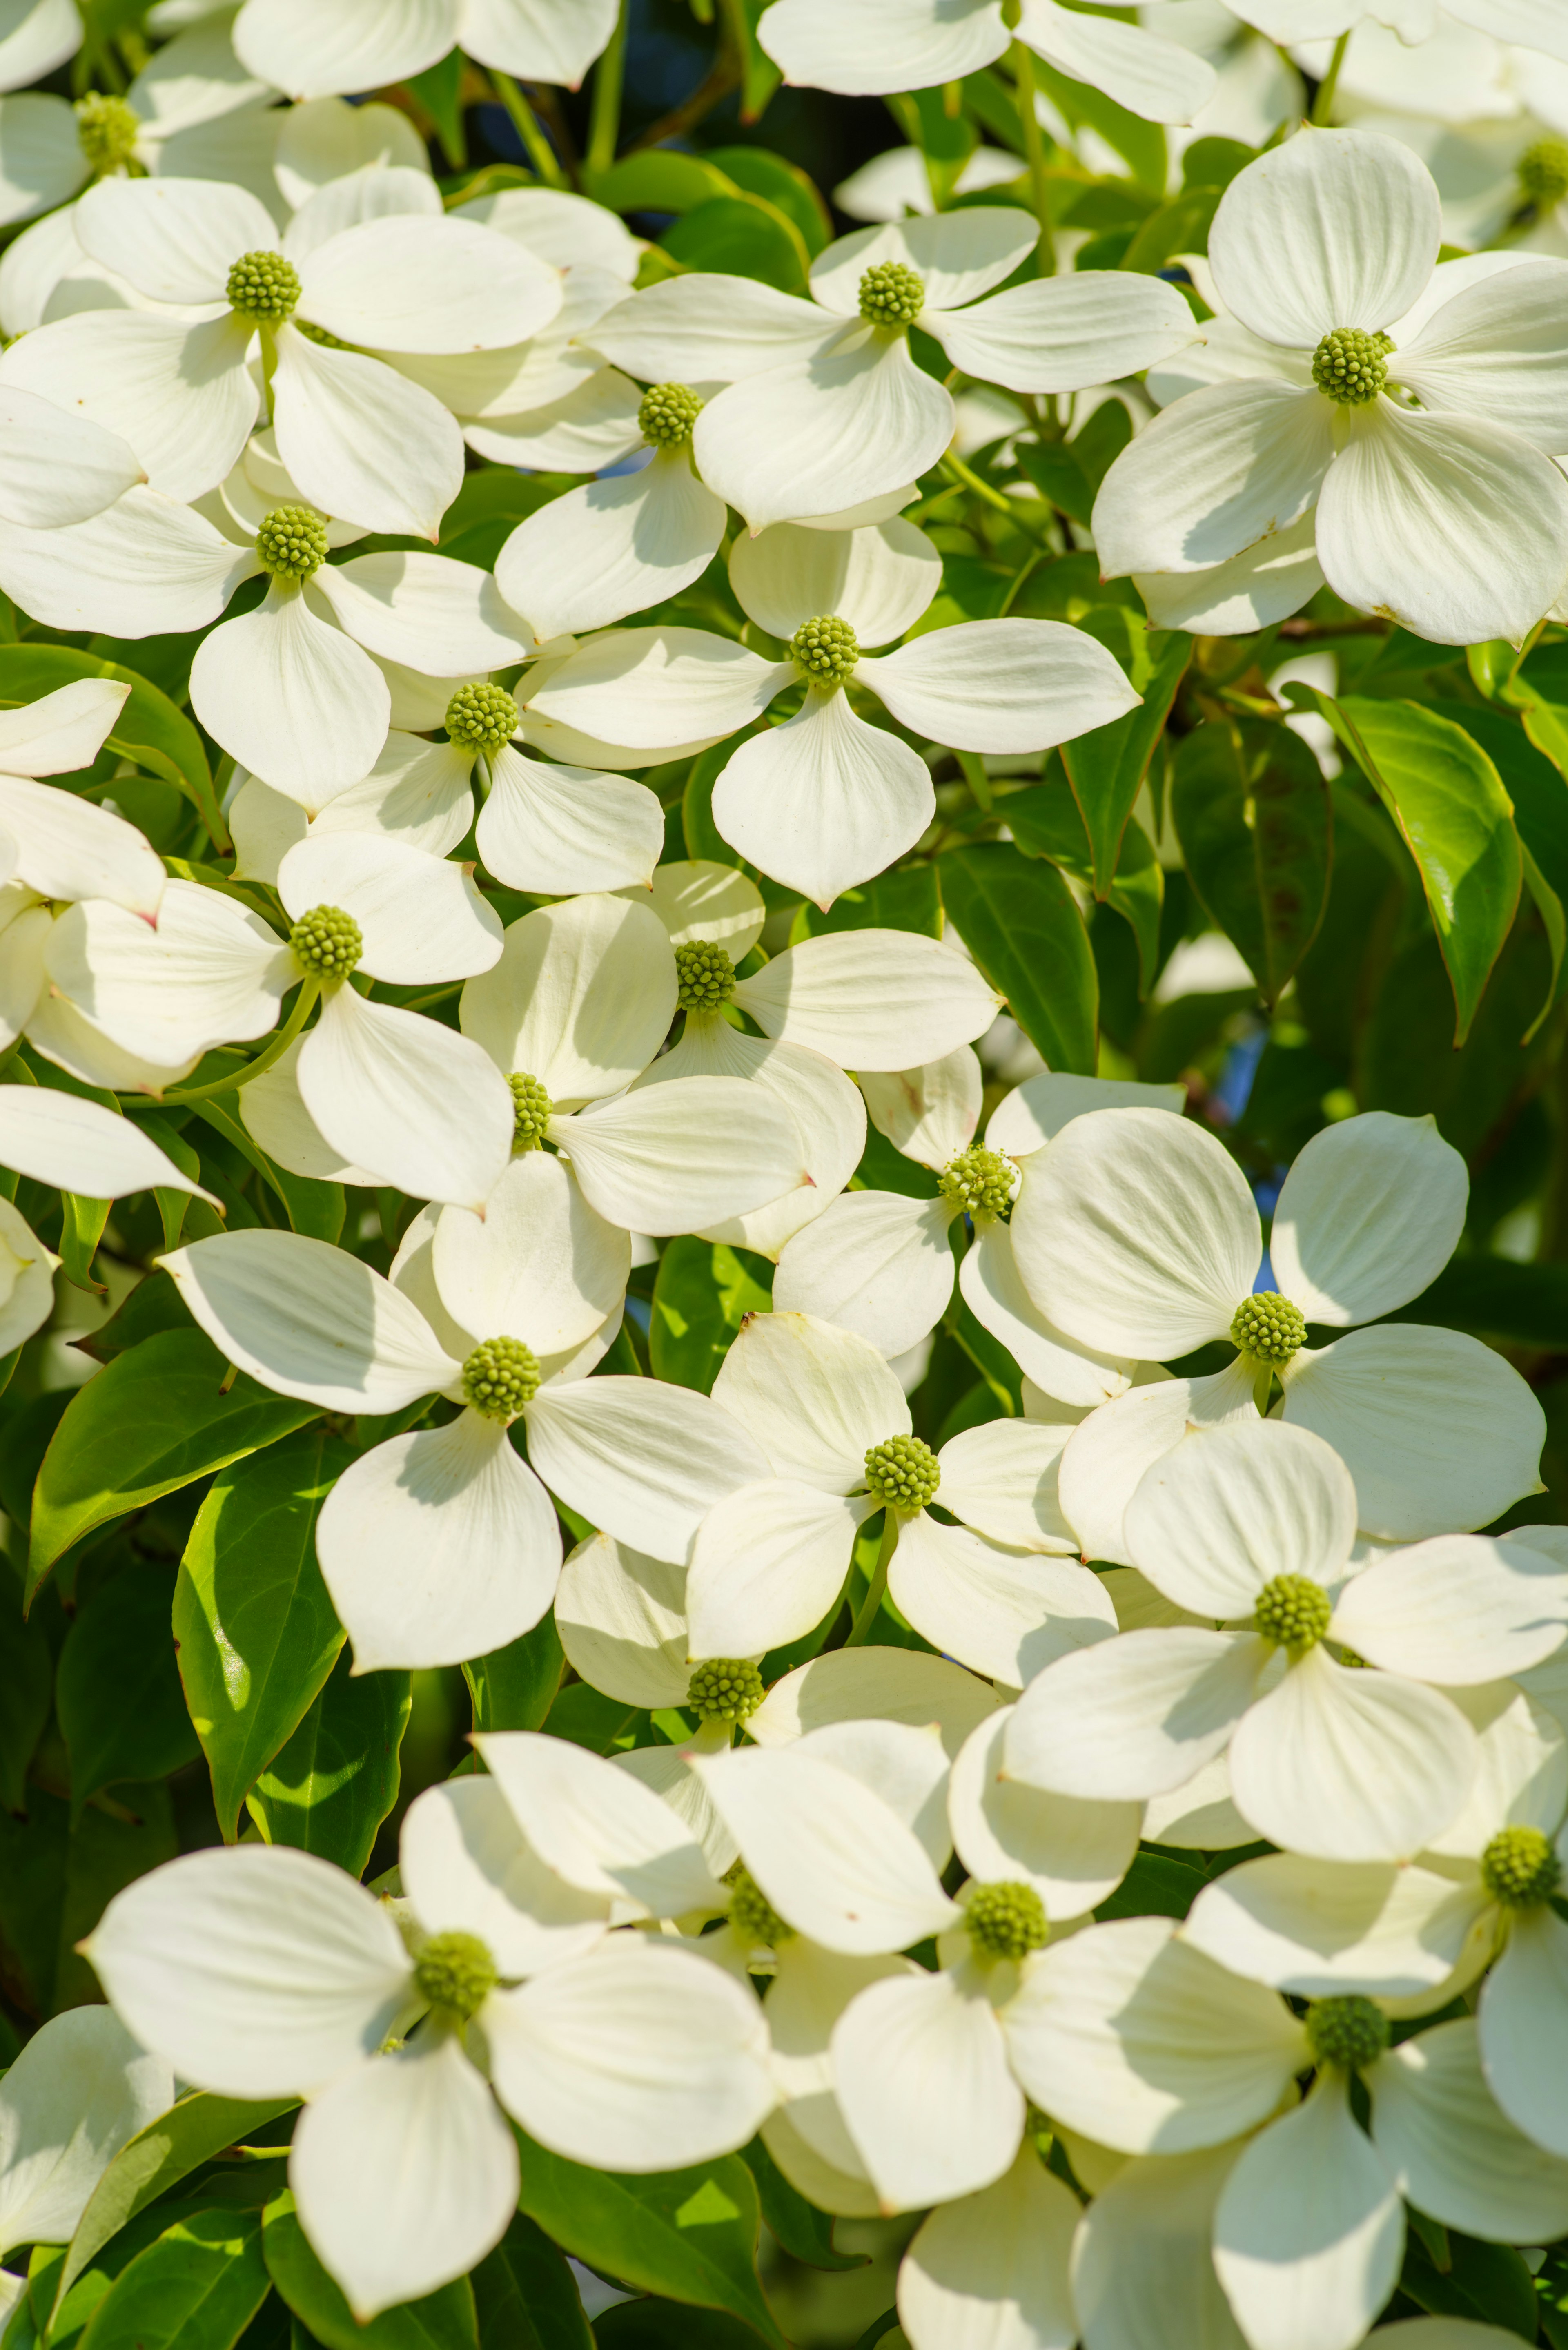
<point x="26" y="1690"/>
<point x="786" y="186"/>
<point x="1141" y="144"/>
<point x="691" y="2235"/>
<point x="444" y="2320"/>
<point x="1107" y="767"/>
<point x="57" y="1879"/>
<point x="172" y="1206"/>
<point x="153" y="1421"/>
<point x="660" y="180"/>
<point x="330" y="1787"/>
<point x="1253" y="813"/>
<point x="907" y="899"/>
<point x="805" y="2233"/>
<point x="1158" y="1885"/>
<point x="150" y="729"/>
<point x="740" y="235"/>
<point x="438" y="91"/>
<point x="121" y="1709"/>
<point x="81" y="1229"/>
<point x="152" y="1306"/>
<point x="256" y="1628"/>
<point x="1045" y="821"/>
<point x="527" y="2297"/>
<point x="1446" y="796"/>
<point x="1487" y="2284"/>
<point x="1018" y="918"/>
<point x="1541" y="815"/>
<point x="703" y="1291"/>
<point x="196" y="2288"/>
<point x="312" y="1208"/>
<point x="514" y="1688"/>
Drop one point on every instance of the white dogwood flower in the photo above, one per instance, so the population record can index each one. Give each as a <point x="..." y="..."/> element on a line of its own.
<point x="39" y="35"/>
<point x="1140" y="1236"/>
<point x="1415" y="21"/>
<point x="361" y="48"/>
<point x="1390" y="487"/>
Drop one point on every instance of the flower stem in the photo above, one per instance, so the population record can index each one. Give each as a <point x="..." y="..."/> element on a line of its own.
<point x="541" y="154"/>
<point x="604" y="122"/>
<point x="1022" y="64"/>
<point x="1322" y="104"/>
<point x="309" y="989"/>
<point x="861" y="1630"/>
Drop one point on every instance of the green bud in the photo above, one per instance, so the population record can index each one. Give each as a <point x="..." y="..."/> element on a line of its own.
<point x="1520" y="1868"/>
<point x="981" y="1182"/>
<point x="265" y="286"/>
<point x="292" y="543"/>
<point x="826" y="649"/>
<point x="1352" y="2031"/>
<point x="106" y="132"/>
<point x="326" y="943"/>
<point x="533" y="1107"/>
<point x="1268" y="1327"/>
<point x="1350" y="366"/>
<point x="667" y="413"/>
<point x="499" y="1377"/>
<point x="751" y="1916"/>
<point x="1544" y="172"/>
<point x="1006" y="1920"/>
<point x="704" y="977"/>
<point x="1293" y="1611"/>
<point x="456" y="1973"/>
<point x="902" y="1474"/>
<point x="892" y="295"/>
<point x="725" y="1688"/>
<point x="482" y="717"/>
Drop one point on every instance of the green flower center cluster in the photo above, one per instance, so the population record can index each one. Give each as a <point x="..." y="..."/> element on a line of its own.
<point x="107" y="132"/>
<point x="482" y="717"/>
<point x="292" y="543"/>
<point x="532" y="1109"/>
<point x="892" y="295"/>
<point x="327" y="942"/>
<point x="1350" y="366"/>
<point x="1352" y="2031"/>
<point x="1544" y="172"/>
<point x="704" y="977"/>
<point x="902" y="1474"/>
<point x="827" y="649"/>
<point x="456" y="1972"/>
<point x="725" y="1688"/>
<point x="1006" y="1920"/>
<point x="264" y="285"/>
<point x="1293" y="1611"/>
<point x="750" y="1914"/>
<point x="1520" y="1868"/>
<point x="1268" y="1327"/>
<point x="499" y="1377"/>
<point x="981" y="1182"/>
<point x="666" y="414"/>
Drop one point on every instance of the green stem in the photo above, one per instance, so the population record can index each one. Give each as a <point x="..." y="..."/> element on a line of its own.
<point x="304" y="1003"/>
<point x="1322" y="104"/>
<point x="955" y="465"/>
<point x="541" y="154"/>
<point x="861" y="1630"/>
<point x="604" y="120"/>
<point x="1022" y="64"/>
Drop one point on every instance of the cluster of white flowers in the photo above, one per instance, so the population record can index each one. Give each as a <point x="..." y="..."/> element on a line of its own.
<point x="847" y="1904"/>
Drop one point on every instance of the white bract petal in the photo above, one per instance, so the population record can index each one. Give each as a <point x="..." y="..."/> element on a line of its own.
<point x="928" y="1113"/>
<point x="768" y="1564"/>
<point x="611" y="548"/>
<point x="361" y="44"/>
<point x="415" y="284"/>
<point x="65" y="847"/>
<point x="875" y="1262"/>
<point x="1065" y="333"/>
<point x="621" y="1616"/>
<point x="815" y="1397"/>
<point x="399" y="1093"/>
<point x="175" y="240"/>
<point x="57" y="468"/>
<point x="1368" y="1216"/>
<point x="1078" y="1376"/>
<point x="824" y="800"/>
<point x="651" y="687"/>
<point x="467" y="1867"/>
<point x="597" y="1828"/>
<point x="650" y="1160"/>
<point x="879" y="580"/>
<point x="1523" y="2043"/>
<point x="643" y="1459"/>
<point x="1224" y="469"/>
<point x="1110" y="1454"/>
<point x="363" y="441"/>
<point x="69" y="2101"/>
<point x="855" y="995"/>
<point x="1452" y="2152"/>
<point x="546" y="828"/>
<point x="78" y="1146"/>
<point x="581" y="999"/>
<point x="538" y="1265"/>
<point x="994" y="2264"/>
<point x="923" y="2080"/>
<point x="1006" y="1613"/>
<point x="1213" y="1523"/>
<point x="292" y="699"/>
<point x="1075" y="1853"/>
<point x="881" y="1684"/>
<point x="1143" y="2251"/>
<point x="1136" y="1715"/>
<point x="1458" y="1610"/>
<point x="1322" y="1928"/>
<point x="175" y="391"/>
<point x="1001" y="685"/>
<point x="435" y="615"/>
<point x="1149" y="76"/>
<point x="211" y="973"/>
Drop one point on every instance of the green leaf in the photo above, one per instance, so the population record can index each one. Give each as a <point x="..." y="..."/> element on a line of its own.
<point x="786" y="186"/>
<point x="688" y="2234"/>
<point x="669" y="2326"/>
<point x="489" y="507"/>
<point x="1107" y="767"/>
<point x="198" y="2287"/>
<point x="1053" y="468"/>
<point x="514" y="1688"/>
<point x="703" y="1291"/>
<point x="121" y="1709"/>
<point x="330" y="1787"/>
<point x="1018" y="918"/>
<point x="440" y="2320"/>
<point x="150" y="729"/>
<point x="1252" y="812"/>
<point x="438" y="91"/>
<point x="1141" y="144"/>
<point x="805" y="2233"/>
<point x="81" y="1229"/>
<point x="312" y="1208"/>
<point x="1487" y="2284"/>
<point x="740" y="235"/>
<point x="1045" y="822"/>
<point x="153" y="1306"/>
<point x="1455" y="818"/>
<point x="1156" y="1886"/>
<point x="27" y="1691"/>
<point x="660" y="180"/>
<point x="905" y="900"/>
<point x="1495" y="1297"/>
<point x="1181" y="226"/>
<point x="527" y="2297"/>
<point x="255" y="1627"/>
<point x="153" y="1421"/>
<point x="1541" y="816"/>
<point x="56" y="1881"/>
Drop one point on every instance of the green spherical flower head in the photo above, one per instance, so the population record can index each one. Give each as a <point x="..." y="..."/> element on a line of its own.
<point x="1544" y="172"/>
<point x="1520" y="1868"/>
<point x="532" y="1107"/>
<point x="455" y="1972"/>
<point x="1006" y="1920"/>
<point x="892" y="295"/>
<point x="326" y="943"/>
<point x="1268" y="1327"/>
<point x="1350" y="366"/>
<point x="482" y="717"/>
<point x="1350" y="2031"/>
<point x="750" y="1914"/>
<point x="500" y="1377"/>
<point x="265" y="286"/>
<point x="292" y="543"/>
<point x="107" y="131"/>
<point x="902" y="1474"/>
<point x="725" y="1688"/>
<point x="666" y="414"/>
<point x="981" y="1182"/>
<point x="704" y="977"/>
<point x="827" y="649"/>
<point x="1293" y="1611"/>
